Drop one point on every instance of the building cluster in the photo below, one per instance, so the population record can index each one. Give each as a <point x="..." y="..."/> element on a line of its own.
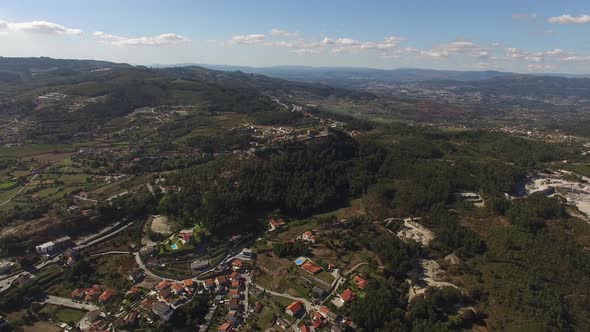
<point x="231" y="291"/>
<point x="95" y="293"/>
<point x="52" y="247"/>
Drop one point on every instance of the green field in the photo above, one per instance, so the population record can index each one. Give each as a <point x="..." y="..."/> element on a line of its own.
<point x="34" y="149"/>
<point x="65" y="315"/>
<point x="8" y="185"/>
<point x="69" y="315"/>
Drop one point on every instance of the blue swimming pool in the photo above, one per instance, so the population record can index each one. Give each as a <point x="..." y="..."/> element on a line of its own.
<point x="174" y="246"/>
<point x="300" y="260"/>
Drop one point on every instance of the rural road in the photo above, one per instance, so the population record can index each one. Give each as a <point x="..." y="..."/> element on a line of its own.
<point x="20" y="190"/>
<point x="308" y="305"/>
<point x="147" y="271"/>
<point x="94" y="241"/>
<point x="355" y="267"/>
<point x="62" y="301"/>
<point x="113" y="252"/>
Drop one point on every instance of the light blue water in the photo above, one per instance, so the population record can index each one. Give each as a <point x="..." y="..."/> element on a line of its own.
<point x="174" y="246"/>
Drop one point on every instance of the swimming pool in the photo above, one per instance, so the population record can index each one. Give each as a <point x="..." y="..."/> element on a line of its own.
<point x="300" y="260"/>
<point x="174" y="246"/>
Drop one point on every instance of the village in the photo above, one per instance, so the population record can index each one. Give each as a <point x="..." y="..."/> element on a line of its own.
<point x="235" y="296"/>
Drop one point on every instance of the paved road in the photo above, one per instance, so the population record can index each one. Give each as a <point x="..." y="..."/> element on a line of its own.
<point x="355" y="267"/>
<point x="20" y="190"/>
<point x="104" y="237"/>
<point x="147" y="271"/>
<point x="308" y="304"/>
<point x="62" y="301"/>
<point x="113" y="252"/>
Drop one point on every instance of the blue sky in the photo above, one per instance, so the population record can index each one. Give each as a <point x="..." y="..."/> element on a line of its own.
<point x="515" y="35"/>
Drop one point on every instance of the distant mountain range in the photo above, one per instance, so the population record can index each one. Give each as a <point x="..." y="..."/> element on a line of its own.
<point x="352" y="77"/>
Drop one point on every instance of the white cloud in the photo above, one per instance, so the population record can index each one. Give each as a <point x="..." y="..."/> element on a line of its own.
<point x="483" y="66"/>
<point x="569" y="19"/>
<point x="576" y="58"/>
<point x="341" y="45"/>
<point x="159" y="40"/>
<point x="247" y="39"/>
<point x="38" y="27"/>
<point x="304" y="51"/>
<point x="524" y="16"/>
<point x="464" y="47"/>
<point x="283" y="33"/>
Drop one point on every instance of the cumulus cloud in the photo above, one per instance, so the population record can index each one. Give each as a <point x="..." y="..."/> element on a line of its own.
<point x="471" y="53"/>
<point x="575" y="58"/>
<point x="570" y="19"/>
<point x="524" y="16"/>
<point x="352" y="45"/>
<point x="483" y="66"/>
<point x="38" y="27"/>
<point x="247" y="39"/>
<point x="461" y="46"/>
<point x="159" y="40"/>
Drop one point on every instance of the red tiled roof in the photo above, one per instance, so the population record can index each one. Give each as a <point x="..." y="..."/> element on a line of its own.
<point x="225" y="327"/>
<point x="304" y="328"/>
<point x="106" y="295"/>
<point x="295" y="307"/>
<point x="360" y="282"/>
<point x="347" y="295"/>
<point x="311" y="267"/>
<point x="177" y="287"/>
<point x="77" y="293"/>
<point x="324" y="310"/>
<point x="163" y="284"/>
<point x="188" y="282"/>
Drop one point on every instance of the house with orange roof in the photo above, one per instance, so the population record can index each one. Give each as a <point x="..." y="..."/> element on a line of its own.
<point x="276" y="224"/>
<point x="133" y="291"/>
<point x="311" y="267"/>
<point x="308" y="236"/>
<point x="177" y="288"/>
<point x="295" y="308"/>
<point x="77" y="293"/>
<point x="106" y="296"/>
<point x="226" y="327"/>
<point x="360" y="282"/>
<point x="163" y="284"/>
<point x="188" y="283"/>
<point x="220" y="280"/>
<point x="209" y="283"/>
<point x="348" y="296"/>
<point x="236" y="264"/>
<point x="92" y="293"/>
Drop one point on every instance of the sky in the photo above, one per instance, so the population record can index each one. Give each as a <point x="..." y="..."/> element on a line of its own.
<point x="508" y="35"/>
